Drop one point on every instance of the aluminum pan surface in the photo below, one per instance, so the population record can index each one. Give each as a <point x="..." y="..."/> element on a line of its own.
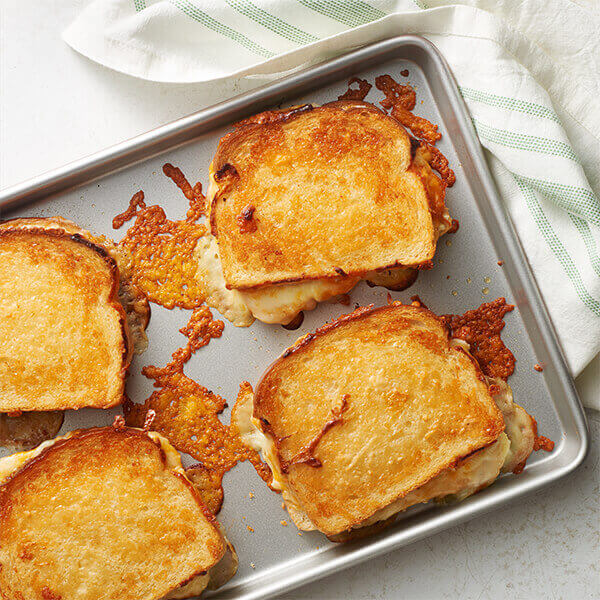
<point x="273" y="557"/>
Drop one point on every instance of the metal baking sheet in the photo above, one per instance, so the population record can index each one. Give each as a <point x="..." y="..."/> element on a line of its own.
<point x="275" y="558"/>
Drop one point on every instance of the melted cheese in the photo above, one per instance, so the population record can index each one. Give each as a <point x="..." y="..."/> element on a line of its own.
<point x="281" y="302"/>
<point x="10" y="464"/>
<point x="443" y="226"/>
<point x="253" y="437"/>
<point x="228" y="302"/>
<point x="520" y="427"/>
<point x="278" y="303"/>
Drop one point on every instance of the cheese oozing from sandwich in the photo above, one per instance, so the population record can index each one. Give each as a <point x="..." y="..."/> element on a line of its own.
<point x="472" y="474"/>
<point x="12" y="463"/>
<point x="272" y="304"/>
<point x="280" y="303"/>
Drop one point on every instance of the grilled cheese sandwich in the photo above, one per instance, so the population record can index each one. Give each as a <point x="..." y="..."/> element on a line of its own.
<point x="297" y="199"/>
<point x="79" y="513"/>
<point x="313" y="484"/>
<point x="70" y="320"/>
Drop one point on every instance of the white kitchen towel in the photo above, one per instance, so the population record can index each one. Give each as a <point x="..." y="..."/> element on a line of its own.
<point x="528" y="71"/>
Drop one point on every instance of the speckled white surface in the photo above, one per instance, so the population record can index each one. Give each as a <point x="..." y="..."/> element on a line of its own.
<point x="56" y="106"/>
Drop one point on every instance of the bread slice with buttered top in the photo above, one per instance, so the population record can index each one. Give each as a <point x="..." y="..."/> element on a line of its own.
<point x="69" y="318"/>
<point x="306" y="202"/>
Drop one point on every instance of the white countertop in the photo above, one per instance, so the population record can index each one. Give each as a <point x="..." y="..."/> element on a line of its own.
<point x="56" y="106"/>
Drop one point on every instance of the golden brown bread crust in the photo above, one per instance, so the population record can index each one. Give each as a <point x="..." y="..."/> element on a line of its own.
<point x="103" y="514"/>
<point x="45" y="371"/>
<point x="317" y="183"/>
<point x="415" y="406"/>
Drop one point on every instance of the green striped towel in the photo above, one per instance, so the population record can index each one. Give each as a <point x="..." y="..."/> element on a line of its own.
<point x="532" y="92"/>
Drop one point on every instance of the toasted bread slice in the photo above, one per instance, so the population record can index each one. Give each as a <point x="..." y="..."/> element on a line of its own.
<point x="321" y="192"/>
<point x="63" y="332"/>
<point x="368" y="409"/>
<point x="104" y="514"/>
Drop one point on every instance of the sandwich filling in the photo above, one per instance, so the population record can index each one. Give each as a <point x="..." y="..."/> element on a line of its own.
<point x="12" y="463"/>
<point x="280" y="303"/>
